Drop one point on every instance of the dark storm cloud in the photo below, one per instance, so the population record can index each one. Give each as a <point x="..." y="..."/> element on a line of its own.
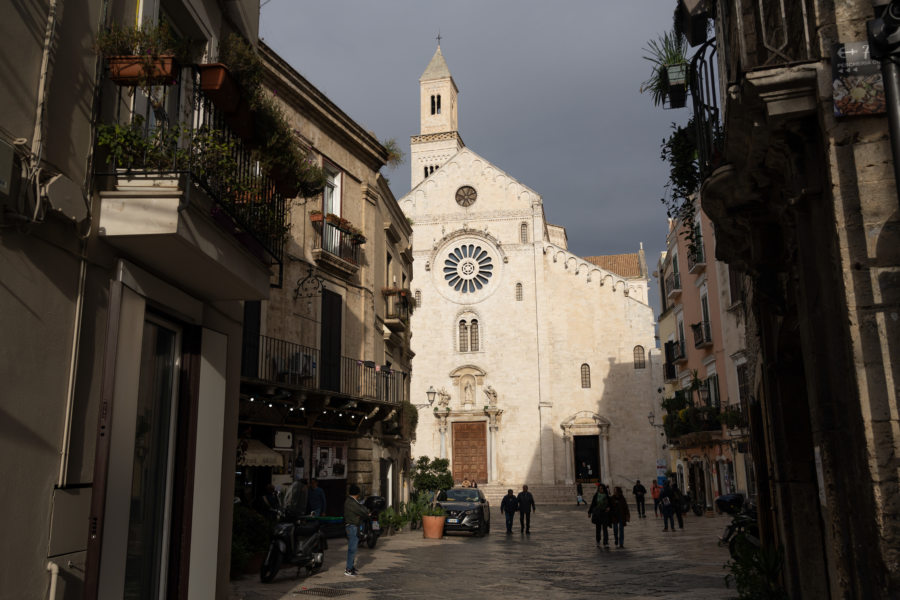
<point x="549" y="92"/>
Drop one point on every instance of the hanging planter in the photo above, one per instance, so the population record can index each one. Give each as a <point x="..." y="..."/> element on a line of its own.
<point x="674" y="80"/>
<point x="217" y="83"/>
<point x="131" y="70"/>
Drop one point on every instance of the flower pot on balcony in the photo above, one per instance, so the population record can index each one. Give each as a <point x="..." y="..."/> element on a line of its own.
<point x="139" y="70"/>
<point x="432" y="527"/>
<point x="674" y="79"/>
<point x="217" y="83"/>
<point x="131" y="181"/>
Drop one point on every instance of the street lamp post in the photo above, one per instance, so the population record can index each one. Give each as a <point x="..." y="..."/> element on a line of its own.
<point x="430" y="394"/>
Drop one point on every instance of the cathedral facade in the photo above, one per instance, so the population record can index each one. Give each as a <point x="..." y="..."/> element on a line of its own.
<point x="532" y="365"/>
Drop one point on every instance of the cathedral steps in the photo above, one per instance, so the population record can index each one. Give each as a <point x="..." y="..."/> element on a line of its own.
<point x="543" y="494"/>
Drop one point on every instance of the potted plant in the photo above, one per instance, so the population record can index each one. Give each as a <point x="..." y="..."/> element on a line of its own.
<point x="143" y="56"/>
<point x="134" y="148"/>
<point x="667" y="51"/>
<point x="430" y="477"/>
<point x="217" y="82"/>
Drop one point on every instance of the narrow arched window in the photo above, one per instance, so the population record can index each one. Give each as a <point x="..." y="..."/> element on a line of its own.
<point x="418" y="298"/>
<point x="463" y="337"/>
<point x="438" y="104"/>
<point x="523" y="233"/>
<point x="585" y="375"/>
<point x="426" y="171"/>
<point x="639" y="362"/>
<point x="473" y="335"/>
<point x="519" y="292"/>
<point x="432" y="104"/>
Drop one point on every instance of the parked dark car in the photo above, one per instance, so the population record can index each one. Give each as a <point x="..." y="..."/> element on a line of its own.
<point x="467" y="510"/>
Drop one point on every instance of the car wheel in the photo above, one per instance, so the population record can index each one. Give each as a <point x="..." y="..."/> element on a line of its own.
<point x="480" y="531"/>
<point x="487" y="527"/>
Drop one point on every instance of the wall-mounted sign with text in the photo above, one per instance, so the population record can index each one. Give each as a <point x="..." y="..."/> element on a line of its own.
<point x="857" y="87"/>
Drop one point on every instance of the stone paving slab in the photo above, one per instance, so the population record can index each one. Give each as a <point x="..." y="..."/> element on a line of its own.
<point x="558" y="560"/>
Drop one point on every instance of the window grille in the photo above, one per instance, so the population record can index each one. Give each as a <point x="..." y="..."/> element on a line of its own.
<point x="585" y="376"/>
<point x="639" y="361"/>
<point x="463" y="337"/>
<point x="473" y="336"/>
<point x="519" y="292"/>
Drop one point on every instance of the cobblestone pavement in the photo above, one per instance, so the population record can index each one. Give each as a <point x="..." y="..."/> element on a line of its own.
<point x="558" y="560"/>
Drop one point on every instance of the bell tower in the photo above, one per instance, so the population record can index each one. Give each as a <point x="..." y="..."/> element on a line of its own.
<point x="438" y="137"/>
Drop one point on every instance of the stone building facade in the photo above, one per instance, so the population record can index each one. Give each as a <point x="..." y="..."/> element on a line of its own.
<point x="797" y="167"/>
<point x="542" y="361"/>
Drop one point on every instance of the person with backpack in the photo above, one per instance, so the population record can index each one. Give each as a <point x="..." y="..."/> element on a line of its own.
<point x="508" y="507"/>
<point x="599" y="514"/>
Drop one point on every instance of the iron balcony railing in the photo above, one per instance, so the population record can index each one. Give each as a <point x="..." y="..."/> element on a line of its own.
<point x="760" y="34"/>
<point x="281" y="362"/>
<point x="695" y="256"/>
<point x="337" y="242"/>
<point x="678" y="352"/>
<point x="396" y="306"/>
<point x="673" y="284"/>
<point x="178" y="130"/>
<point x="705" y="91"/>
<point x="702" y="334"/>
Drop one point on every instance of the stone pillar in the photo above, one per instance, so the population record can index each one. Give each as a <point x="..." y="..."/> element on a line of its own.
<point x="569" y="444"/>
<point x="547" y="470"/>
<point x="442" y="427"/>
<point x="604" y="445"/>
<point x="493" y="427"/>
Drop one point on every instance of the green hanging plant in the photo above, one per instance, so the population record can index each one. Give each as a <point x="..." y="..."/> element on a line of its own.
<point x="668" y="50"/>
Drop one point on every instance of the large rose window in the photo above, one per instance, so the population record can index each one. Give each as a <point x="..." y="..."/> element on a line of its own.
<point x="468" y="268"/>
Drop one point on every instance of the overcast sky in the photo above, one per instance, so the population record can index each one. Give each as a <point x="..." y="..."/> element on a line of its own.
<point x="549" y="91"/>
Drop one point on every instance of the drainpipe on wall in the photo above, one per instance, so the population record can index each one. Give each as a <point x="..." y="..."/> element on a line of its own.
<point x="884" y="45"/>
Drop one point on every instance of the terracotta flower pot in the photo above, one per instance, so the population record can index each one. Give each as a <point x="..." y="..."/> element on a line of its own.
<point x="433" y="527"/>
<point x="217" y="83"/>
<point x="133" y="70"/>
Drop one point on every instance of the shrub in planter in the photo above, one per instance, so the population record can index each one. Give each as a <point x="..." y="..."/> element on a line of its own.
<point x="217" y="82"/>
<point x="144" y="56"/>
<point x="133" y="146"/>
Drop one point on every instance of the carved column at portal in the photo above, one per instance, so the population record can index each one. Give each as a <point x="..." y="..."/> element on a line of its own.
<point x="493" y="414"/>
<point x="569" y="447"/>
<point x="604" y="442"/>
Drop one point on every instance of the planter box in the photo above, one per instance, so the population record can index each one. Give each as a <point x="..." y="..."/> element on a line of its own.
<point x="132" y="70"/>
<point x="127" y="181"/>
<point x="217" y="83"/>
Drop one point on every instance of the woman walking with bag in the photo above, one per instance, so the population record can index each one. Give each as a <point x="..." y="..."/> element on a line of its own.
<point x="599" y="513"/>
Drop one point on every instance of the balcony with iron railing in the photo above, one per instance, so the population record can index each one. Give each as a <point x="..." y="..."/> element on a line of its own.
<point x="696" y="257"/>
<point x="702" y="334"/>
<point x="177" y="132"/>
<point x="336" y="248"/>
<point x="678" y="351"/>
<point x="670" y="372"/>
<point x="398" y="305"/>
<point x="269" y="360"/>
<point x="673" y="285"/>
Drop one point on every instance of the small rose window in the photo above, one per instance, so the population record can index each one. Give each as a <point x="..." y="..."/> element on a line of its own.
<point x="468" y="268"/>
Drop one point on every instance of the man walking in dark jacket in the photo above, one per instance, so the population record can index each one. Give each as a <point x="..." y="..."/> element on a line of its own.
<point x="526" y="505"/>
<point x="508" y="507"/>
<point x="639" y="492"/>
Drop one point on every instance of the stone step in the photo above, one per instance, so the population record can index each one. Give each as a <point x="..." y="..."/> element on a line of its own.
<point x="543" y="494"/>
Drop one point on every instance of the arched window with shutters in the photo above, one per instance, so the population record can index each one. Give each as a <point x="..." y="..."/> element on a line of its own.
<point x="519" y="292"/>
<point x="473" y="336"/>
<point x="463" y="337"/>
<point x="585" y="375"/>
<point x="523" y="233"/>
<point x="639" y="361"/>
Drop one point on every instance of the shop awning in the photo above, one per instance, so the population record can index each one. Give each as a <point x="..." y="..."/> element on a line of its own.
<point x="260" y="455"/>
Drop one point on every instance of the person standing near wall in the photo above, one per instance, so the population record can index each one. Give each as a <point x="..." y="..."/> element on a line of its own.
<point x="354" y="513"/>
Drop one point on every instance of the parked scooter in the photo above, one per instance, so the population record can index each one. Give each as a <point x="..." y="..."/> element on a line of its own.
<point x="370" y="528"/>
<point x="297" y="542"/>
<point x="742" y="533"/>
